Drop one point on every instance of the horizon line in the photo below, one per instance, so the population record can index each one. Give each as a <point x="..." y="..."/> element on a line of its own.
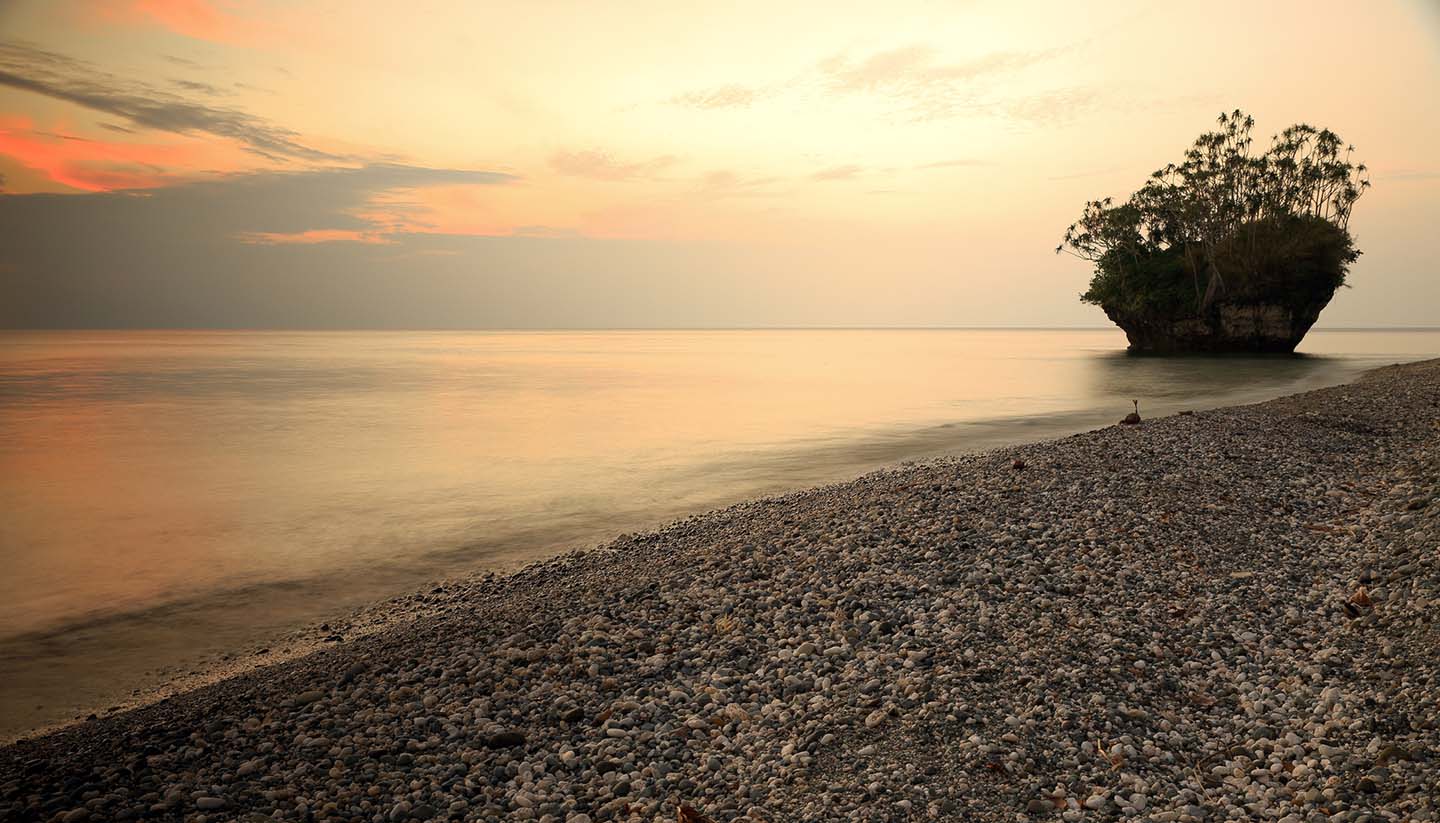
<point x="635" y="328"/>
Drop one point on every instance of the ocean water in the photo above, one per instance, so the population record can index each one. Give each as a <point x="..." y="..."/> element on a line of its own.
<point x="169" y="496"/>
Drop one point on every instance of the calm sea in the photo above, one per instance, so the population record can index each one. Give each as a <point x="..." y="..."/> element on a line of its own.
<point x="167" y="496"/>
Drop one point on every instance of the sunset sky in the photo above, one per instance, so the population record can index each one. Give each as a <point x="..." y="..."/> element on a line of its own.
<point x="552" y="164"/>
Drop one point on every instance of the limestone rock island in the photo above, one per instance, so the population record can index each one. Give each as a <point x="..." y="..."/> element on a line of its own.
<point x="1228" y="251"/>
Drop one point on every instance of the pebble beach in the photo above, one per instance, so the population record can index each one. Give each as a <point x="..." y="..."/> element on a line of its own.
<point x="1229" y="614"/>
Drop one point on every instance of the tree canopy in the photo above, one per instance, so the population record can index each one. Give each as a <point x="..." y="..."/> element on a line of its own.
<point x="1226" y="222"/>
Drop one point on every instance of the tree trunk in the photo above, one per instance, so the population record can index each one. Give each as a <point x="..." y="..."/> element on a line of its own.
<point x="1213" y="287"/>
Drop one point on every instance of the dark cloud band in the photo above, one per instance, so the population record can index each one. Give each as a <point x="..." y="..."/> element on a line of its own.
<point x="36" y="70"/>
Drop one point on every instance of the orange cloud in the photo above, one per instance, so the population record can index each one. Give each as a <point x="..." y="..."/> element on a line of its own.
<point x="197" y="19"/>
<point x="464" y="209"/>
<point x="268" y="238"/>
<point x="444" y="209"/>
<point x="98" y="165"/>
<point x="438" y="210"/>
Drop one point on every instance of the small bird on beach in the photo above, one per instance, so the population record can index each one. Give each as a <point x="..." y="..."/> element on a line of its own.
<point x="1133" y="418"/>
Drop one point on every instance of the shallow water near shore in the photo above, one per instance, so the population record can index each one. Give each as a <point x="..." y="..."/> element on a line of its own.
<point x="168" y="496"/>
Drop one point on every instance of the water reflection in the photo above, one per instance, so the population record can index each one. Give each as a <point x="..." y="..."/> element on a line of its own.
<point x="1160" y="382"/>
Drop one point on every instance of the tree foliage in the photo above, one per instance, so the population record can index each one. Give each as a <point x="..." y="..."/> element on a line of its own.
<point x="1226" y="222"/>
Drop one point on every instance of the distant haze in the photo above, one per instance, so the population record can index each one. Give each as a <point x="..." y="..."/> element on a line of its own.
<point x="201" y="163"/>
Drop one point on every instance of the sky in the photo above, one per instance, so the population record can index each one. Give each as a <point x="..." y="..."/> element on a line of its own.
<point x="341" y="164"/>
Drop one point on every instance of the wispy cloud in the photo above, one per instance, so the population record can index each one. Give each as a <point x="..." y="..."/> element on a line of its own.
<point x="720" y="97"/>
<point x="546" y="232"/>
<point x="729" y="183"/>
<point x="727" y="179"/>
<point x="914" y="68"/>
<point x="346" y="205"/>
<point x="198" y="86"/>
<point x="1053" y="107"/>
<point x="919" y="80"/>
<point x="846" y="172"/>
<point x="94" y="165"/>
<point x="951" y="164"/>
<point x="312" y="236"/>
<point x="599" y="165"/>
<point x="32" y="69"/>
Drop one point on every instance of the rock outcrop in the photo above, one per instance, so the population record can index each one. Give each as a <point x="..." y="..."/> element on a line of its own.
<point x="1226" y="252"/>
<point x="1234" y="328"/>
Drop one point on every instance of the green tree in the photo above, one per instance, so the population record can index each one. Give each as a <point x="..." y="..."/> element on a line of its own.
<point x="1228" y="221"/>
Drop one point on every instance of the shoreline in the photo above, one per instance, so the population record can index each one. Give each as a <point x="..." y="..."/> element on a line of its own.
<point x="787" y="639"/>
<point x="122" y="659"/>
<point x="177" y="645"/>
